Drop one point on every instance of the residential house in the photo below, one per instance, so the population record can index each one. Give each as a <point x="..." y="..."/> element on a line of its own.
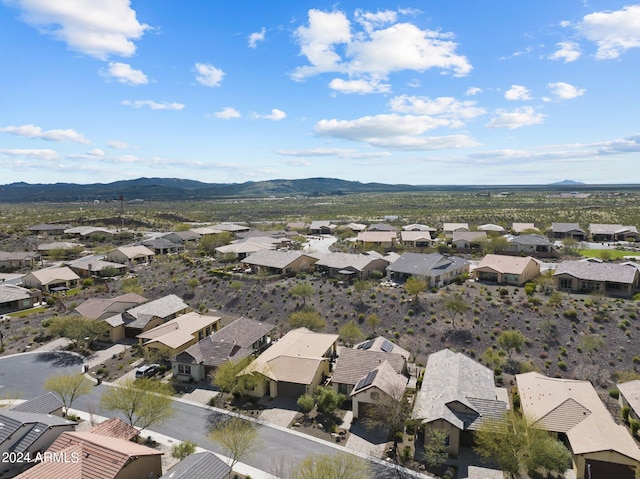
<point x="384" y="239"/>
<point x="294" y="365"/>
<point x="14" y="298"/>
<point x="230" y="227"/>
<point x="179" y="333"/>
<point x="94" y="265"/>
<point x="48" y="403"/>
<point x="434" y="268"/>
<point x="182" y="237"/>
<point x="568" y="230"/>
<point x="347" y="265"/>
<point x="65" y="248"/>
<point x="379" y="386"/>
<point x="382" y="344"/>
<point x="322" y="227"/>
<point x="47" y="229"/>
<point x="10" y="261"/>
<point x="205" y="231"/>
<point x="531" y="244"/>
<point x="382" y="227"/>
<point x="449" y="228"/>
<point x="236" y="341"/>
<point x="519" y="228"/>
<point x="416" y="238"/>
<point x="584" y="276"/>
<point x="613" y="232"/>
<point x="630" y="397"/>
<point x="468" y="240"/>
<point x="162" y="246"/>
<point x="354" y="364"/>
<point x="492" y="228"/>
<point x="101" y="309"/>
<point x="201" y="465"/>
<point x="297" y="226"/>
<point x="131" y="255"/>
<point x="142" y="318"/>
<point x="98" y="453"/>
<point x="418" y="227"/>
<point x="600" y="448"/>
<point x="51" y="280"/>
<point x="502" y="269"/>
<point x="355" y="227"/>
<point x="269" y="262"/>
<point x="85" y="231"/>
<point x="25" y="434"/>
<point x="457" y="396"/>
<point x="240" y="249"/>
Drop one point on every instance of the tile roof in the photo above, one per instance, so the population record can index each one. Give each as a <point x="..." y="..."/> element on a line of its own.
<point x="386" y="379"/>
<point x="17" y="255"/>
<point x="417" y="227"/>
<point x="96" y="308"/>
<point x="520" y="227"/>
<point x="160" y="308"/>
<point x="178" y="331"/>
<point x="134" y="251"/>
<point x="45" y="404"/>
<point x="566" y="227"/>
<point x="532" y="239"/>
<point x="50" y="275"/>
<point x="346" y="260"/>
<point x="274" y="259"/>
<point x="469" y="236"/>
<point x="454" y="226"/>
<point x="380" y="343"/>
<point x="377" y="236"/>
<point x="490" y="227"/>
<point x="115" y="427"/>
<point x="594" y="271"/>
<point x="505" y="264"/>
<point x="353" y="364"/>
<point x="433" y="264"/>
<point x="94" y="263"/>
<point x="574" y="408"/>
<point x="631" y="392"/>
<point x="411" y="235"/>
<point x="11" y="292"/>
<point x="203" y="465"/>
<point x="31" y="427"/>
<point x="452" y="380"/>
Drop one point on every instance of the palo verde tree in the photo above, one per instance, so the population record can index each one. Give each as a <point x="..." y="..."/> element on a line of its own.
<point x="511" y="340"/>
<point x="350" y="332"/>
<point x="78" y="329"/>
<point x="307" y="318"/>
<point x="143" y="402"/>
<point x="456" y="305"/>
<point x="334" y="466"/>
<point x="68" y="387"/>
<point x="414" y="286"/>
<point x="237" y="437"/>
<point x="302" y="290"/>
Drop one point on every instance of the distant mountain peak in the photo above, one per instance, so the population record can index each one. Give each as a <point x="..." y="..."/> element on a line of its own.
<point x="567" y="183"/>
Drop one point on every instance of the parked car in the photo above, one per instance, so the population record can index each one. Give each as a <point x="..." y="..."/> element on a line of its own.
<point x="147" y="371"/>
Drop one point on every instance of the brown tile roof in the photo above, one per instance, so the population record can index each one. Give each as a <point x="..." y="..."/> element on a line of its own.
<point x="115" y="427"/>
<point x="353" y="364"/>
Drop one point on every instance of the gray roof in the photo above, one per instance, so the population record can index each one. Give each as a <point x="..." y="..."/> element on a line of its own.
<point x="48" y="227"/>
<point x="45" y="404"/>
<point x="469" y="236"/>
<point x="593" y="271"/>
<point x="11" y="292"/>
<point x="203" y="465"/>
<point x="456" y="389"/>
<point x="234" y="341"/>
<point x="433" y="264"/>
<point x="273" y="259"/>
<point x="36" y="425"/>
<point x="353" y="364"/>
<point x="611" y="229"/>
<point x="95" y="263"/>
<point x="346" y="260"/>
<point x="565" y="227"/>
<point x="160" y="308"/>
<point x="187" y="235"/>
<point x="18" y="255"/>
<point x="532" y="239"/>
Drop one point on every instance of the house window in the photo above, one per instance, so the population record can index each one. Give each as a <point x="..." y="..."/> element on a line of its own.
<point x="590" y="286"/>
<point x="375" y="395"/>
<point x="184" y="369"/>
<point x="342" y="388"/>
<point x="565" y="283"/>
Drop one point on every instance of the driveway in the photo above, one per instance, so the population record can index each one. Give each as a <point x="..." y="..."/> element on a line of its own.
<point x="319" y="244"/>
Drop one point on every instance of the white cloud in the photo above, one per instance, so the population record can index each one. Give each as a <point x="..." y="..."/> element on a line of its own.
<point x="297" y="162"/>
<point x="123" y="73"/>
<point x="344" y="153"/>
<point x="361" y="86"/>
<point x="567" y="51"/>
<point x="256" y="37"/>
<point x="208" y="75"/>
<point x="565" y="91"/>
<point x="393" y="131"/>
<point x="331" y="44"/>
<point x="517" y="92"/>
<point x="33" y="131"/>
<point x="275" y="115"/>
<point x="39" y="154"/>
<point x="97" y="28"/>
<point x="613" y="32"/>
<point x="517" y="118"/>
<point x="153" y="105"/>
<point x="227" y="113"/>
<point x="118" y="145"/>
<point x="445" y="107"/>
<point x="472" y="91"/>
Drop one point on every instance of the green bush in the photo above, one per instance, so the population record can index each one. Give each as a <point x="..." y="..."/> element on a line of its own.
<point x="614" y="393"/>
<point x="634" y="425"/>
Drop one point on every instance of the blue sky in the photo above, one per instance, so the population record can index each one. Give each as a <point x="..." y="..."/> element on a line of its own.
<point x="438" y="92"/>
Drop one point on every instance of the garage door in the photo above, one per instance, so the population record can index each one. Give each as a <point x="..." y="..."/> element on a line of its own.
<point x="607" y="470"/>
<point x="292" y="390"/>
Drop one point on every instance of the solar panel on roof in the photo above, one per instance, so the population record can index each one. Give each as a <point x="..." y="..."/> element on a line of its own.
<point x="387" y="346"/>
<point x="367" y="380"/>
<point x="367" y="345"/>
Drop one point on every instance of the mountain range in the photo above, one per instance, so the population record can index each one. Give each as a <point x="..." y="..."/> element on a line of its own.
<point x="158" y="189"/>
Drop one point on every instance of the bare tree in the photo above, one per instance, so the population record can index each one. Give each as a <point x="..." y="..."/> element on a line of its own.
<point x="68" y="387"/>
<point x="237" y="437"/>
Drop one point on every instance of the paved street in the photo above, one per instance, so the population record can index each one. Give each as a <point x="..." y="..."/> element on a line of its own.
<point x="23" y="376"/>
